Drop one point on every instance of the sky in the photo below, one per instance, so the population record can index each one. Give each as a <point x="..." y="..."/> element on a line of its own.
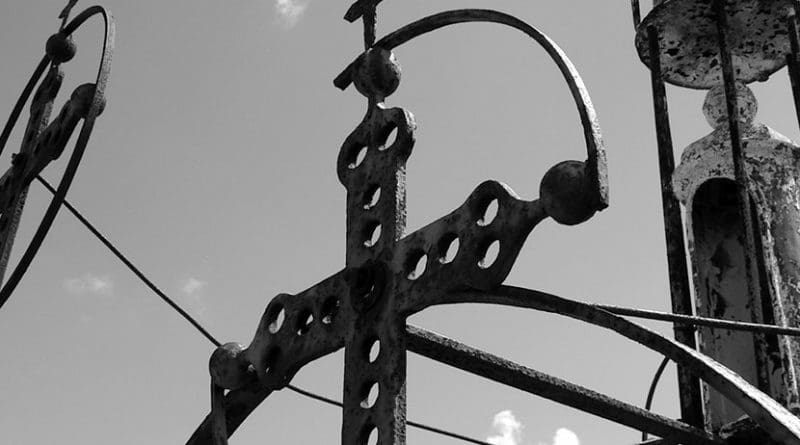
<point x="213" y="168"/>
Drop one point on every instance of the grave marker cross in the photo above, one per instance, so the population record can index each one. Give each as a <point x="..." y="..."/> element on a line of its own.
<point x="387" y="277"/>
<point x="462" y="257"/>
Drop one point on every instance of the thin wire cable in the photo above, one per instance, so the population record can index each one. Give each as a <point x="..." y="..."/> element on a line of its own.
<point x="130" y="265"/>
<point x="409" y="423"/>
<point x="691" y="320"/>
<point x="77" y="214"/>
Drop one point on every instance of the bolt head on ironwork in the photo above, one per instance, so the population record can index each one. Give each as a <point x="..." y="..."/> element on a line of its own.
<point x="565" y="192"/>
<point x="377" y="73"/>
<point x="228" y="366"/>
<point x="60" y="48"/>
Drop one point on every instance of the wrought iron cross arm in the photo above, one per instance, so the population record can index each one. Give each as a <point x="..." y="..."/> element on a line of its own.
<point x="458" y="355"/>
<point x="596" y="162"/>
<point x="468" y="248"/>
<point x="782" y="425"/>
<point x="239" y="403"/>
<point x="296" y="329"/>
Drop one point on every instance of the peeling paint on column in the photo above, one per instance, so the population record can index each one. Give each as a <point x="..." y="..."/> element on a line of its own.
<point x="704" y="182"/>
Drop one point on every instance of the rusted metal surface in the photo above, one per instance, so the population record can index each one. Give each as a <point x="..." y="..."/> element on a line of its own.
<point x="484" y="364"/>
<point x="777" y="421"/>
<point x="741" y="233"/>
<point x="770" y="161"/>
<point x="689" y="45"/>
<point x="364" y="307"/>
<point x="680" y="294"/>
<point x="13" y="188"/>
<point x="389" y="277"/>
<point x="85" y="104"/>
<point x="238" y="404"/>
<point x="375" y="385"/>
<point x="594" y="194"/>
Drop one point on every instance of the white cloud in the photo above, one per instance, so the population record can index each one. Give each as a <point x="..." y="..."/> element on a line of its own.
<point x="289" y="11"/>
<point x="89" y="284"/>
<point x="565" y="437"/>
<point x="192" y="298"/>
<point x="191" y="286"/>
<point x="507" y="428"/>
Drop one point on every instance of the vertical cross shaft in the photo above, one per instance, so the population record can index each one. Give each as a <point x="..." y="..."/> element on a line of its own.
<point x="374" y="382"/>
<point x="365" y="9"/>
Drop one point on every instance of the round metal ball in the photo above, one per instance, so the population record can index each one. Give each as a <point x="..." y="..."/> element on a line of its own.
<point x="565" y="193"/>
<point x="227" y="366"/>
<point x="377" y="74"/>
<point x="60" y="48"/>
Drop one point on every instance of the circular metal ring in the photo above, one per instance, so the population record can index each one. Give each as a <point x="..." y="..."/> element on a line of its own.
<point x="101" y="81"/>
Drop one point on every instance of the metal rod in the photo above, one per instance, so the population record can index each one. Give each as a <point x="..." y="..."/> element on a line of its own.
<point x="484" y="364"/>
<point x="689" y="386"/>
<point x="370" y="19"/>
<point x="652" y="391"/>
<point x="637" y="15"/>
<point x="689" y="320"/>
<point x="740" y="174"/>
<point x="792" y="60"/>
<point x="124" y="259"/>
<point x="219" y="428"/>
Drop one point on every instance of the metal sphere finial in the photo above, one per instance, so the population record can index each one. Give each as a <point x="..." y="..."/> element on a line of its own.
<point x="377" y="74"/>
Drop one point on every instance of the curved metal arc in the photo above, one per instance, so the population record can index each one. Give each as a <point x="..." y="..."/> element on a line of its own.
<point x="506" y="372"/>
<point x="589" y="122"/>
<point x="101" y="81"/>
<point x="239" y="403"/>
<point x="777" y="421"/>
<point x="652" y="391"/>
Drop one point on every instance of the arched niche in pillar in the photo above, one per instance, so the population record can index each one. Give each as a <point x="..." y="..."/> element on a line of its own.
<point x="721" y="291"/>
<point x="704" y="183"/>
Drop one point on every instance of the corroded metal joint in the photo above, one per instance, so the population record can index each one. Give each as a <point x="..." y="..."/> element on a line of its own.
<point x="368" y="284"/>
<point x="229" y="367"/>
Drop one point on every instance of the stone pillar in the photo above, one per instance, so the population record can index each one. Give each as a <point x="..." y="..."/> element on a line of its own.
<point x="704" y="183"/>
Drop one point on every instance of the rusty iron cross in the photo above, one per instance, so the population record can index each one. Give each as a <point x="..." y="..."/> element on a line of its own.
<point x="462" y="257"/>
<point x="43" y="141"/>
